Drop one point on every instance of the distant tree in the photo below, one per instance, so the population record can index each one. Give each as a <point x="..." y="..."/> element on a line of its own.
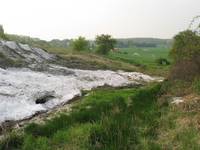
<point x="1" y="29"/>
<point x="104" y="43"/>
<point x="80" y="44"/>
<point x="145" y="45"/>
<point x="2" y="34"/>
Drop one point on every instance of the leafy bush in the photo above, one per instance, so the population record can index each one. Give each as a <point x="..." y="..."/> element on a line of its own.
<point x="80" y="44"/>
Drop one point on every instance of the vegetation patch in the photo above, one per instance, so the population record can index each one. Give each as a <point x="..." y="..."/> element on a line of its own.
<point x="84" y="61"/>
<point x="145" y="58"/>
<point x="112" y="119"/>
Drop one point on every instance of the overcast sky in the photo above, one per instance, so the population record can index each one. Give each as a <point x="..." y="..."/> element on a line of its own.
<point x="50" y="19"/>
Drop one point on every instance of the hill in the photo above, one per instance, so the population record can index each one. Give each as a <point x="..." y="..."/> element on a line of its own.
<point x="143" y="42"/>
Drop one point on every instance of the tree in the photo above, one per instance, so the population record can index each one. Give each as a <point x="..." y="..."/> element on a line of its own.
<point x="186" y="45"/>
<point x="104" y="43"/>
<point x="186" y="55"/>
<point x="2" y="34"/>
<point x="80" y="44"/>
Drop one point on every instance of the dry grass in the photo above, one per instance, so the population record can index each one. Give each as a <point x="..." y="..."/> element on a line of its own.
<point x="180" y="128"/>
<point x="92" y="61"/>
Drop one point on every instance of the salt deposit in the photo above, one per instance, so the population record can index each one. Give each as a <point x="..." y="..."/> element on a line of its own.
<point x="21" y="88"/>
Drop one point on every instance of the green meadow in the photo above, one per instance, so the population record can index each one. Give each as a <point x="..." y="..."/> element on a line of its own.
<point x="145" y="58"/>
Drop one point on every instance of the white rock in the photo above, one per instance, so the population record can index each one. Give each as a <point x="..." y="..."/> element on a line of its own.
<point x="19" y="87"/>
<point x="25" y="47"/>
<point x="177" y="100"/>
<point x="11" y="44"/>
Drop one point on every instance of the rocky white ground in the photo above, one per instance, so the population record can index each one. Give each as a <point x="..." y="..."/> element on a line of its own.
<point x="24" y="92"/>
<point x="24" y="52"/>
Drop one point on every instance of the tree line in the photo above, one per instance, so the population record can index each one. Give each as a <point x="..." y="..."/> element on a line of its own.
<point x="103" y="44"/>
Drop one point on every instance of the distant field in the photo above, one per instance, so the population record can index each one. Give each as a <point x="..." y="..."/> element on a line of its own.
<point x="145" y="57"/>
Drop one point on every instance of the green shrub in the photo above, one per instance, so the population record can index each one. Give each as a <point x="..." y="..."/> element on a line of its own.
<point x="162" y="61"/>
<point x="80" y="44"/>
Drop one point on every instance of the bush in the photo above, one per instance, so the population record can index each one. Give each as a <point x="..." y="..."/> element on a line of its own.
<point x="80" y="44"/>
<point x="162" y="61"/>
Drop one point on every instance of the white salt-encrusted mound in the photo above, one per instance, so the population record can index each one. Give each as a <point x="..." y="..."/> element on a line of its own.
<point x="23" y="52"/>
<point x="21" y="88"/>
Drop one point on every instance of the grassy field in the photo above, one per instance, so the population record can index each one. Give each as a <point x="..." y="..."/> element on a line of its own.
<point x="142" y="56"/>
<point x="145" y="58"/>
<point x="111" y="119"/>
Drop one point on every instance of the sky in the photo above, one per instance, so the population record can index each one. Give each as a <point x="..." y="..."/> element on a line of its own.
<point x="61" y="19"/>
